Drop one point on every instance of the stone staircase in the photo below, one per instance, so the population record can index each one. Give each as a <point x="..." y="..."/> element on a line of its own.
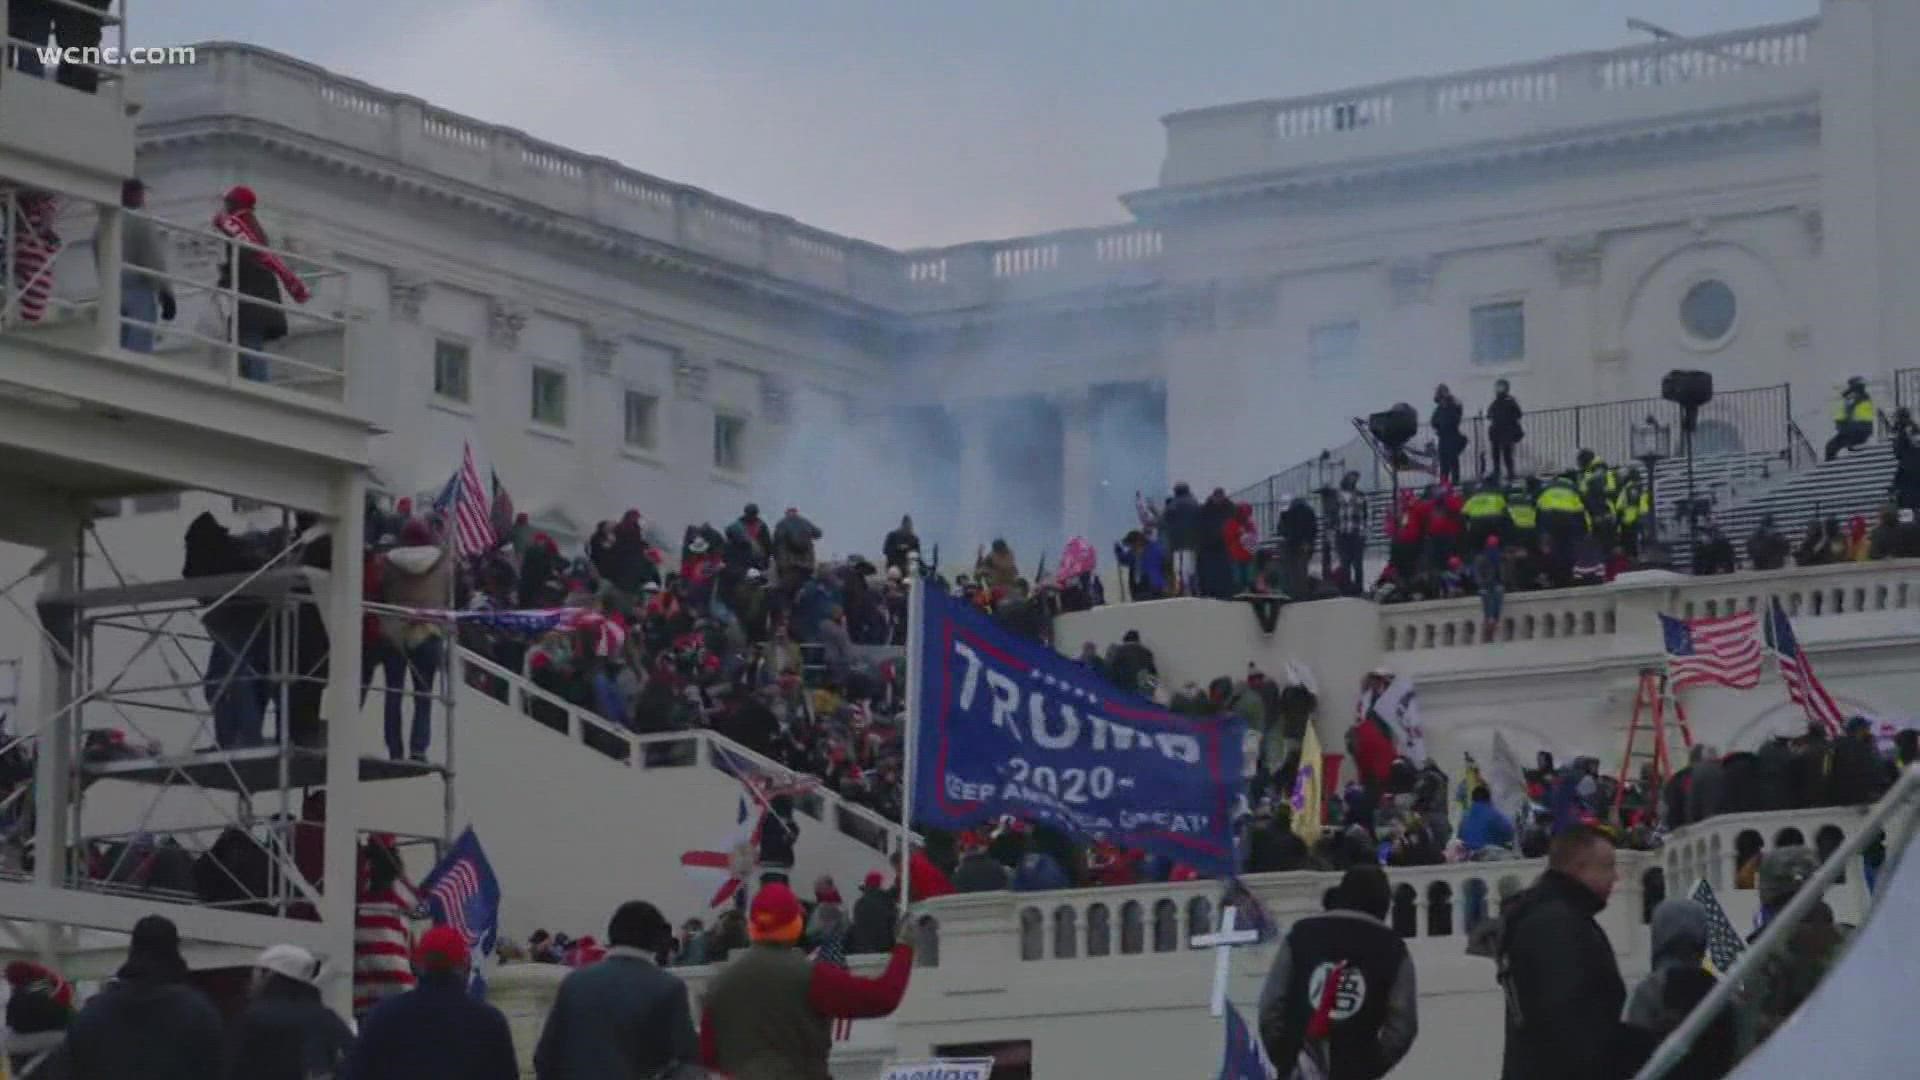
<point x="1854" y="483"/>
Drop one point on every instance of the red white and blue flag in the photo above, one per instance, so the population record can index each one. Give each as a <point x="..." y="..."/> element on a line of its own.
<point x="1802" y="685"/>
<point x="462" y="893"/>
<point x="469" y="505"/>
<point x="1723" y="651"/>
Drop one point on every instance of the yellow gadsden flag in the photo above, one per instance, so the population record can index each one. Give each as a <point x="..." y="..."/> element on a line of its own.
<point x="1305" y="798"/>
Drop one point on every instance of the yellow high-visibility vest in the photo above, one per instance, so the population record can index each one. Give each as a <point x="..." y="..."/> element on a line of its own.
<point x="1860" y="412"/>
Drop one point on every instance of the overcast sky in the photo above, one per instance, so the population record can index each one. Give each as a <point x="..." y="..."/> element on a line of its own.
<point x="906" y="122"/>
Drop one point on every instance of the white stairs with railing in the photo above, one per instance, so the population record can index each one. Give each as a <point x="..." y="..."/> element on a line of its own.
<point x="576" y="822"/>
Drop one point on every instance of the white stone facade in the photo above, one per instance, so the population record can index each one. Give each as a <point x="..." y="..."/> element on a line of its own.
<point x="1301" y="262"/>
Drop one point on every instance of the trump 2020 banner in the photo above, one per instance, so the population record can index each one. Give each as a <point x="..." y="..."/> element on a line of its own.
<point x="1004" y="725"/>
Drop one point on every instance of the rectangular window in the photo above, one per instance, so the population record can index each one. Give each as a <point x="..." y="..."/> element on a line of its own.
<point x="1331" y="346"/>
<point x="1499" y="333"/>
<point x="451" y="371"/>
<point x="156" y="504"/>
<point x="729" y="443"/>
<point x="641" y="412"/>
<point x="550" y="397"/>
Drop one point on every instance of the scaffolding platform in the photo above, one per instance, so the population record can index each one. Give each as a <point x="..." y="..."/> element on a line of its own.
<point x="256" y="769"/>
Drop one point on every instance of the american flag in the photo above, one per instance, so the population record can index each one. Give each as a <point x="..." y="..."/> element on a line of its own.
<point x="1802" y="686"/>
<point x="462" y="893"/>
<point x="1244" y="1058"/>
<point x="1724" y="944"/>
<point x="1724" y="651"/>
<point x="467" y="501"/>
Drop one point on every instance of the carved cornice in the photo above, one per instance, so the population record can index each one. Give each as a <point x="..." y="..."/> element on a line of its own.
<point x="503" y="207"/>
<point x="1408" y="171"/>
<point x="505" y="320"/>
<point x="406" y="293"/>
<point x="776" y="399"/>
<point x="1411" y="279"/>
<point x="598" y="346"/>
<point x="1576" y="260"/>
<point x="690" y="378"/>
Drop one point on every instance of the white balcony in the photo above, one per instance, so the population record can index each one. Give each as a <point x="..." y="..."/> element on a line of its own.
<point x="76" y="342"/>
<point x="1761" y="68"/>
<point x="65" y="124"/>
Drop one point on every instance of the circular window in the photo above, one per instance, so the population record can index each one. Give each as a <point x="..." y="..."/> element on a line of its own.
<point x="1707" y="310"/>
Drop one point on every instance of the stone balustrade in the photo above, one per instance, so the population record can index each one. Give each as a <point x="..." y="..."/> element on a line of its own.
<point x="1456" y="109"/>
<point x="1618" y="620"/>
<point x="240" y="82"/>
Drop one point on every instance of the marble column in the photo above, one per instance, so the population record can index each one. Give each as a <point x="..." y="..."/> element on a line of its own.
<point x="1076" y="464"/>
<point x="974" y="507"/>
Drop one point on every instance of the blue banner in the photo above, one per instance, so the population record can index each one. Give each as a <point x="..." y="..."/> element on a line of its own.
<point x="1004" y="725"/>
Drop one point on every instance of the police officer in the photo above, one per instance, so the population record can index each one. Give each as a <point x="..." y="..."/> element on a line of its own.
<point x="1852" y="418"/>
<point x="1523" y="518"/>
<point x="1598" y="489"/>
<point x="1486" y="514"/>
<point x="1631" y="509"/>
<point x="1789" y="976"/>
<point x="1563" y="519"/>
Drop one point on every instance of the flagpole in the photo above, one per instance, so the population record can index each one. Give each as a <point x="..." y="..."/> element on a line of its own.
<point x="909" y="724"/>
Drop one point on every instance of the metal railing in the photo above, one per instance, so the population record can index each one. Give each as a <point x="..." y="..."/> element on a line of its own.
<point x="33" y="30"/>
<point x="1757" y="420"/>
<point x="1906" y="388"/>
<point x="1880" y="821"/>
<point x="669" y="750"/>
<point x="52" y="254"/>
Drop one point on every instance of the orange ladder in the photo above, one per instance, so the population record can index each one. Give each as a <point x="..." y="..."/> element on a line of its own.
<point x="1650" y="712"/>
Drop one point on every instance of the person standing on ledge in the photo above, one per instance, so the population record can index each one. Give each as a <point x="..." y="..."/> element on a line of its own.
<point x="769" y="1014"/>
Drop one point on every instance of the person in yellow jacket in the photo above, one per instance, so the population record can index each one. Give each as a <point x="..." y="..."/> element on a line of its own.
<point x="1852" y="418"/>
<point x="1632" y="508"/>
<point x="1523" y="517"/>
<point x="1486" y="514"/>
<point x="1563" y="520"/>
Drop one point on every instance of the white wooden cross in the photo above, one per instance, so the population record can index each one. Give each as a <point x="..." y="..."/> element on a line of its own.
<point x="1223" y="941"/>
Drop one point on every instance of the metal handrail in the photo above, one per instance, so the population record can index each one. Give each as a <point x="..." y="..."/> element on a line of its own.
<point x="1676" y="1046"/>
<point x="579" y="720"/>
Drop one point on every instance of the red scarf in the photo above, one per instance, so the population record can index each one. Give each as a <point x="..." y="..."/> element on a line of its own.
<point x="242" y="226"/>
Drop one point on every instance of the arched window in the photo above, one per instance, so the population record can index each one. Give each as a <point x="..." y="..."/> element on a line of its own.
<point x="1199" y="916"/>
<point x="1439" y="909"/>
<point x="1406" y="914"/>
<point x="1166" y="926"/>
<point x="1789" y="837"/>
<point x="927" y="940"/>
<point x="1474" y="903"/>
<point x="1099" y="931"/>
<point x="1033" y="935"/>
<point x="1746" y="848"/>
<point x="1066" y="933"/>
<point x="1133" y="929"/>
<point x="1826" y="842"/>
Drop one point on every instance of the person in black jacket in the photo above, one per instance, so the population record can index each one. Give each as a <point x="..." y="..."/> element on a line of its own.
<point x="623" y="1018"/>
<point x="900" y="545"/>
<point x="1374" y="1014"/>
<point x="1859" y="775"/>
<point x="1503" y="430"/>
<point x="1447" y="437"/>
<point x="875" y="917"/>
<point x="148" y="1022"/>
<point x="286" y="1032"/>
<point x="1562" y="982"/>
<point x="436" y="1029"/>
<point x="778" y="833"/>
<point x="1180" y="526"/>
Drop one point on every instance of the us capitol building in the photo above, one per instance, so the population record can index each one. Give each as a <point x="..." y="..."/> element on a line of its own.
<point x="603" y="339"/>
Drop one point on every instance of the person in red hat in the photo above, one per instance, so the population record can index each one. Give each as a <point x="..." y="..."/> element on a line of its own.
<point x="874" y="916"/>
<point x="436" y="1029"/>
<point x="769" y="1013"/>
<point x="260" y="275"/>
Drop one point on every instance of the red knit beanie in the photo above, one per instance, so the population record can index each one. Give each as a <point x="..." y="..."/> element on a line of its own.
<point x="776" y="915"/>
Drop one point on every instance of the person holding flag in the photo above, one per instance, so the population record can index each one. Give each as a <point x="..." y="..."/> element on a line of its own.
<point x="1681" y="933"/>
<point x="462" y="894"/>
